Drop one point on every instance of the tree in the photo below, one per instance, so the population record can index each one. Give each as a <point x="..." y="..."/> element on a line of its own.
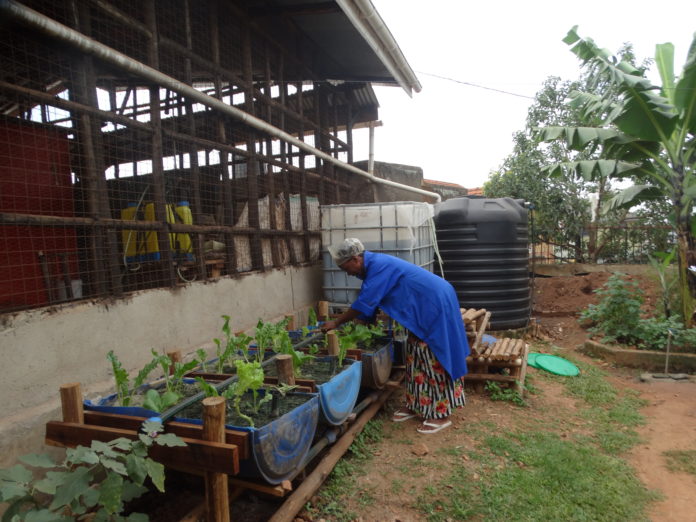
<point x="643" y="132"/>
<point x="562" y="208"/>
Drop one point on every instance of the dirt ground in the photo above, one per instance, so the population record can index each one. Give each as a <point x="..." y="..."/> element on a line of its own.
<point x="670" y="417"/>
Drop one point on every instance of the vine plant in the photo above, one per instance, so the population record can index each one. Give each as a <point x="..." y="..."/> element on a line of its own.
<point x="89" y="484"/>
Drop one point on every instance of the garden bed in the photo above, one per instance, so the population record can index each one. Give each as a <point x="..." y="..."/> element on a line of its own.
<point x="643" y="359"/>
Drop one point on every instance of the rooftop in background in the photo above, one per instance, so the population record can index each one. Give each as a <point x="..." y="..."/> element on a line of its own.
<point x="478" y="191"/>
<point x="444" y="188"/>
<point x="443" y="183"/>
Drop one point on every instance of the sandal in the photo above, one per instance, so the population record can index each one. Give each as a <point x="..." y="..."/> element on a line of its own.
<point x="403" y="414"/>
<point x="429" y="426"/>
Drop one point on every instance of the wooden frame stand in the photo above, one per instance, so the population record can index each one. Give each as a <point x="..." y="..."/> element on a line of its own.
<point x="504" y="361"/>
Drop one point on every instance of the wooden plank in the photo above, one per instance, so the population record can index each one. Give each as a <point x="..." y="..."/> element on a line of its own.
<point x="275" y="491"/>
<point x="523" y="370"/>
<point x="509" y="347"/>
<point x="496" y="349"/>
<point x="481" y="328"/>
<point x="181" y="429"/>
<point x="488" y="377"/>
<point x="202" y="455"/>
<point x="495" y="364"/>
<point x="216" y="485"/>
<point x="71" y="402"/>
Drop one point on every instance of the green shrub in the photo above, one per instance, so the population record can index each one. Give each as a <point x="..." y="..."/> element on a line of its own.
<point x="617" y="317"/>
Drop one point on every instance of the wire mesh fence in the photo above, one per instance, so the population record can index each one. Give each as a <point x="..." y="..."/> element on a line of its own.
<point x="630" y="243"/>
<point x="128" y="158"/>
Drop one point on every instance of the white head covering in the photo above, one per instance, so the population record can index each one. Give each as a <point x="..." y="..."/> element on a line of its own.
<point x="342" y="252"/>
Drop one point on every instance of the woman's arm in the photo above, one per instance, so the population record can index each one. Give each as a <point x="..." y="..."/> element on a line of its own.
<point x="346" y="316"/>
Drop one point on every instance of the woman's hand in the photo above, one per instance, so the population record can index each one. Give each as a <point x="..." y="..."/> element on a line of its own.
<point x="329" y="325"/>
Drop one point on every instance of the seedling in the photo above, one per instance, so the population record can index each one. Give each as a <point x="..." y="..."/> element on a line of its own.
<point x="174" y="382"/>
<point x="124" y="390"/>
<point x="202" y="356"/>
<point x="208" y="389"/>
<point x="312" y="317"/>
<point x="233" y="344"/>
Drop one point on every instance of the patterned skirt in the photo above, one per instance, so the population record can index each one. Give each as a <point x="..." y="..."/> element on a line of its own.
<point x="430" y="391"/>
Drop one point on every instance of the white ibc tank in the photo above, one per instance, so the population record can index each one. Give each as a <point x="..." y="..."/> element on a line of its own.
<point x="403" y="229"/>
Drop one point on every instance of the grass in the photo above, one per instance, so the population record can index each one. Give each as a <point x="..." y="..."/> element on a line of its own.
<point x="681" y="460"/>
<point x="342" y="482"/>
<point x="566" y="465"/>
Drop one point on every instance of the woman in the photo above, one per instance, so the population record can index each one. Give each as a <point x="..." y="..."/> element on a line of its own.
<point x="426" y="305"/>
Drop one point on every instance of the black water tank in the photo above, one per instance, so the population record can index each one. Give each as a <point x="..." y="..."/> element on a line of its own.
<point x="483" y="245"/>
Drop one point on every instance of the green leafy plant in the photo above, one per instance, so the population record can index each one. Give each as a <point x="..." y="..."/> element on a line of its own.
<point x="124" y="389"/>
<point x="352" y="335"/>
<point x="312" y="317"/>
<point x="174" y="372"/>
<point x="208" y="389"/>
<point x="617" y="315"/>
<point x="249" y="378"/>
<point x="89" y="484"/>
<point x="498" y="393"/>
<point x="618" y="318"/>
<point x="270" y="335"/>
<point x="159" y="400"/>
<point x="233" y="344"/>
<point x="202" y="356"/>
<point x="661" y="261"/>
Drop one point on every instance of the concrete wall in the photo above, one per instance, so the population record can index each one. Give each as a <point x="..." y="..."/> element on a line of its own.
<point x="364" y="192"/>
<point x="42" y="349"/>
<point x="645" y="359"/>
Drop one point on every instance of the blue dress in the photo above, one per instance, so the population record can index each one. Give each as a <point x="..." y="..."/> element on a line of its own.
<point x="421" y="302"/>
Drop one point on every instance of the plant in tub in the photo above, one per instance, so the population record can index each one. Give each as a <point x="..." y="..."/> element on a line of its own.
<point x="173" y="383"/>
<point x="124" y="390"/>
<point x="233" y="344"/>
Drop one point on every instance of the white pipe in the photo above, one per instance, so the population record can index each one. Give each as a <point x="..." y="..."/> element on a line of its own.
<point x="372" y="28"/>
<point x="371" y="153"/>
<point x="54" y="29"/>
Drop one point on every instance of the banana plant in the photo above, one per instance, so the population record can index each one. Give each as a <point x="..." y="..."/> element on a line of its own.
<point x="646" y="133"/>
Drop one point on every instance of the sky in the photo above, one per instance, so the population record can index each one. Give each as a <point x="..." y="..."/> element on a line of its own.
<point x="460" y="133"/>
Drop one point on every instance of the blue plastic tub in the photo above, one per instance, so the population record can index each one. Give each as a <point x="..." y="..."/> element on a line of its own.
<point x="338" y="396"/>
<point x="377" y="365"/>
<point x="277" y="449"/>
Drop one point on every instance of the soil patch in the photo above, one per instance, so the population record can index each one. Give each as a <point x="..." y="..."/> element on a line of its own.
<point x="572" y="294"/>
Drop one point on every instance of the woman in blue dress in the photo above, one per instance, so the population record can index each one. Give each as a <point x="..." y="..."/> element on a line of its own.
<point x="427" y="306"/>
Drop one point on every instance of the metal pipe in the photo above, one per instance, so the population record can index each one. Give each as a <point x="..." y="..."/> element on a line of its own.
<point x="50" y="27"/>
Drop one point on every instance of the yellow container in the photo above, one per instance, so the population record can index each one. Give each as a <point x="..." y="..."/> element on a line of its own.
<point x="182" y="242"/>
<point x="132" y="240"/>
<point x="179" y="243"/>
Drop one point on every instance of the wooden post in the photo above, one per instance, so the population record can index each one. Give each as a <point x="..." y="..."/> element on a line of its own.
<point x="323" y="310"/>
<point x="284" y="368"/>
<point x="332" y="345"/>
<point x="216" y="493"/>
<point x="71" y="403"/>
<point x="291" y="322"/>
<point x="175" y="357"/>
